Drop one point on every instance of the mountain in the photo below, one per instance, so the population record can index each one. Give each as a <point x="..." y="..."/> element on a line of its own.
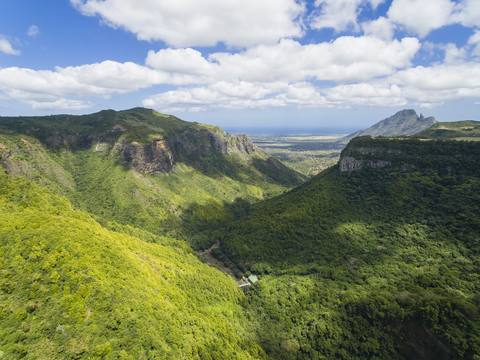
<point x="462" y="130"/>
<point x="100" y="217"/>
<point x="141" y="168"/>
<point x="405" y="122"/>
<point x="376" y="257"/>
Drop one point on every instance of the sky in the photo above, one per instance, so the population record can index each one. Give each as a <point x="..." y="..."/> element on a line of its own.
<point x="332" y="65"/>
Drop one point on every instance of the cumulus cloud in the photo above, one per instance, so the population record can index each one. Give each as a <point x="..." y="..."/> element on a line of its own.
<point x="421" y="16"/>
<point x="339" y="14"/>
<point x="33" y="31"/>
<point x="366" y="94"/>
<point x="474" y="41"/>
<point x="52" y="88"/>
<point x="238" y="94"/>
<point x="6" y="47"/>
<point x="60" y="104"/>
<point x="382" y="28"/>
<point x="467" y="13"/>
<point x="184" y="23"/>
<point x="342" y="60"/>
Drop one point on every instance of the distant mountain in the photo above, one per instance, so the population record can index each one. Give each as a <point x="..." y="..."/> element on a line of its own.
<point x="405" y="122"/>
<point x="453" y="129"/>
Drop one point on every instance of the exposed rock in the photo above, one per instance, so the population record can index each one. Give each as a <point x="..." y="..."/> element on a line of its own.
<point x="2" y="146"/>
<point x="153" y="158"/>
<point x="195" y="139"/>
<point x="348" y="163"/>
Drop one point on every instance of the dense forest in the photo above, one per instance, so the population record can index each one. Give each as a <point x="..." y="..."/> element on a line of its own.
<point x="382" y="262"/>
<point x="376" y="257"/>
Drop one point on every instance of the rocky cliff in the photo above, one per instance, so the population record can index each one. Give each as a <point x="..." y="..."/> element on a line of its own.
<point x="195" y="139"/>
<point x="443" y="156"/>
<point x="153" y="158"/>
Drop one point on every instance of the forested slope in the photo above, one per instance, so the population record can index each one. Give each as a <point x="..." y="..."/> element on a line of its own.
<point x="142" y="168"/>
<point x="377" y="257"/>
<point x="71" y="288"/>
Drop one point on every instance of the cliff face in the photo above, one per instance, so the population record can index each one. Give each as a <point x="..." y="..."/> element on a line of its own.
<point x="150" y="142"/>
<point x="195" y="139"/>
<point x="153" y="158"/>
<point x="349" y="162"/>
<point x="443" y="156"/>
<point x="158" y="156"/>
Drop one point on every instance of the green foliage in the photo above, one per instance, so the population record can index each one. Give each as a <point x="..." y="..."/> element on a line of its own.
<point x="71" y="288"/>
<point x="454" y="129"/>
<point x="371" y="254"/>
<point x="204" y="188"/>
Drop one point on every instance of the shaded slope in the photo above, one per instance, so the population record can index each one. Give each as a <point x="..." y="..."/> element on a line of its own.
<point x="70" y="288"/>
<point x="354" y="260"/>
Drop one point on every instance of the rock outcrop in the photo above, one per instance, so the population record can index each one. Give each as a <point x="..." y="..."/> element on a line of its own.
<point x="348" y="161"/>
<point x="195" y="139"/>
<point x="153" y="158"/>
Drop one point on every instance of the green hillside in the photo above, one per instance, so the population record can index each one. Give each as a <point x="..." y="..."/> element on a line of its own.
<point x="142" y="168"/>
<point x="71" y="288"/>
<point x="377" y="257"/>
<point x="462" y="130"/>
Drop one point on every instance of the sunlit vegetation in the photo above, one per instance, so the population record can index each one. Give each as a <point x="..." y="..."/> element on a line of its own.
<point x="460" y="130"/>
<point x="59" y="152"/>
<point x="96" y="260"/>
<point x="71" y="288"/>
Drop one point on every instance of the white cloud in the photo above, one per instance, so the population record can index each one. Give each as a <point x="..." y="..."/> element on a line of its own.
<point x="33" y="31"/>
<point x="437" y="84"/>
<point x="343" y="60"/>
<point x="60" y="104"/>
<point x="186" y="63"/>
<point x="467" y="13"/>
<point x="441" y="77"/>
<point x="474" y="40"/>
<point x="183" y="23"/>
<point x="381" y="28"/>
<point x="7" y="48"/>
<point x="221" y="94"/>
<point x="96" y="79"/>
<point x="340" y="15"/>
<point x="421" y="16"/>
<point x="45" y="88"/>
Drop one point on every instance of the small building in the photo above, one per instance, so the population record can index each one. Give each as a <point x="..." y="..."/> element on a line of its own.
<point x="253" y="279"/>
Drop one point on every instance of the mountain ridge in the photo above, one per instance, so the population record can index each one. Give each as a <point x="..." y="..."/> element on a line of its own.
<point x="404" y="122"/>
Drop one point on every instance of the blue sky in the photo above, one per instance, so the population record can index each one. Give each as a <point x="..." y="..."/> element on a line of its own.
<point x="325" y="64"/>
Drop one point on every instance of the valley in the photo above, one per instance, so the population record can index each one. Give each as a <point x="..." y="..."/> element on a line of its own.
<point x="307" y="154"/>
<point x="364" y="250"/>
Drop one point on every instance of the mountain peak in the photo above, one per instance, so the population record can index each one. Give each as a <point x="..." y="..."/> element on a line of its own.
<point x="404" y="122"/>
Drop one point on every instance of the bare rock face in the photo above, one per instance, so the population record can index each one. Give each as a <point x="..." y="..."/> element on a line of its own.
<point x="195" y="139"/>
<point x="153" y="158"/>
<point x="348" y="163"/>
